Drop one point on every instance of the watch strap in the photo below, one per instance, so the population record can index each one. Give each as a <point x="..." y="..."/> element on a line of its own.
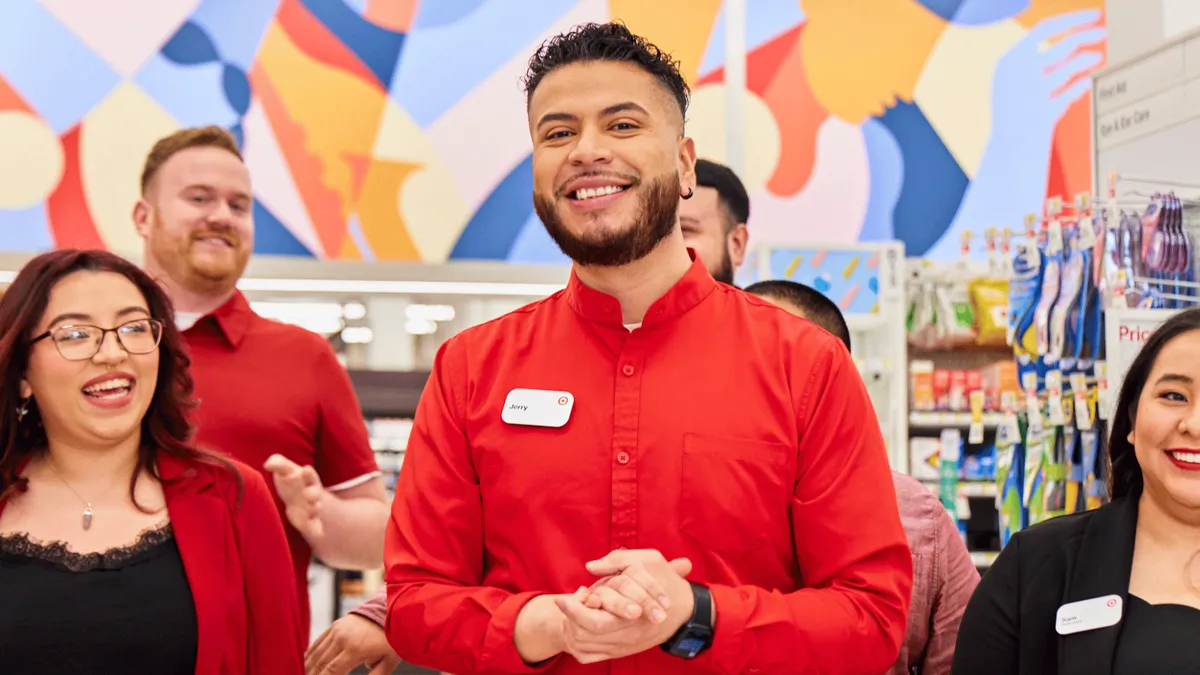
<point x="702" y="608"/>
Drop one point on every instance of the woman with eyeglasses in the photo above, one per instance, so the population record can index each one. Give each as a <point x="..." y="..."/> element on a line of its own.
<point x="124" y="548"/>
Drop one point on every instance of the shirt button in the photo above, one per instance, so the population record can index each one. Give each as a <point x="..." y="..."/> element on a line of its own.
<point x="628" y="369"/>
<point x="608" y="307"/>
<point x="622" y="458"/>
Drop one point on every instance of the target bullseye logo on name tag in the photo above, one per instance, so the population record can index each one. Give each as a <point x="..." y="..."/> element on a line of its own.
<point x="538" y="408"/>
<point x="1085" y="615"/>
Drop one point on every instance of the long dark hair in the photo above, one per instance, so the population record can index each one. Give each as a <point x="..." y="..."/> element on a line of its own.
<point x="1125" y="475"/>
<point x="165" y="426"/>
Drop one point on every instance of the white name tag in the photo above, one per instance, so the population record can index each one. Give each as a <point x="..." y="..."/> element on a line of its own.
<point x="538" y="407"/>
<point x="1085" y="615"/>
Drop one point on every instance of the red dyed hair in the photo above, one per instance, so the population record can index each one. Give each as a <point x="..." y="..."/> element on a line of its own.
<point x="165" y="427"/>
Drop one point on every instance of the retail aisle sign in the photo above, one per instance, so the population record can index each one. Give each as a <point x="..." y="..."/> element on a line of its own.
<point x="1127" y="332"/>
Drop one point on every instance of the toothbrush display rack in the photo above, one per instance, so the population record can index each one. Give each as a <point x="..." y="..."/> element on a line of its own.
<point x="867" y="282"/>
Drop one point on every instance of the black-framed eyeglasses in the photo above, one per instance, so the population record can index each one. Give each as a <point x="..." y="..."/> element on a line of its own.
<point x="82" y="342"/>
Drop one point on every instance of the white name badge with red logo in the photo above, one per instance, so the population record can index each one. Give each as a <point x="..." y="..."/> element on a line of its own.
<point x="538" y="408"/>
<point x="1085" y="615"/>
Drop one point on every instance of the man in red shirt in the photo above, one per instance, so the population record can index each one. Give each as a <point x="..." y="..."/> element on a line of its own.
<point x="578" y="490"/>
<point x="272" y="395"/>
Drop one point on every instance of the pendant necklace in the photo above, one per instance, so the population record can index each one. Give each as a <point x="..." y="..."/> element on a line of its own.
<point x="87" y="511"/>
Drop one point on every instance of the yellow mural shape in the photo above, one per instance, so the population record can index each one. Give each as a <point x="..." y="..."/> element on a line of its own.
<point x="955" y="89"/>
<point x="682" y="32"/>
<point x="379" y="211"/>
<point x="761" y="136"/>
<point x="338" y="112"/>
<point x="429" y="202"/>
<point x="115" y="138"/>
<point x="853" y="265"/>
<point x="861" y="56"/>
<point x="1039" y="10"/>
<point x="31" y="163"/>
<point x="792" y="267"/>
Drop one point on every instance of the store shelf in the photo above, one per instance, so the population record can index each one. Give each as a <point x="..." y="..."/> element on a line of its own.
<point x="984" y="559"/>
<point x="942" y="420"/>
<point x="968" y="488"/>
<point x="858" y="323"/>
<point x="388" y="393"/>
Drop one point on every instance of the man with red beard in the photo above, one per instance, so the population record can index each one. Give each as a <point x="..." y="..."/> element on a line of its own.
<point x="271" y="395"/>
<point x="578" y="488"/>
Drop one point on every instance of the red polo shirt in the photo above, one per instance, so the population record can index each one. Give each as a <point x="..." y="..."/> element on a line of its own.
<point x="723" y="429"/>
<point x="267" y="387"/>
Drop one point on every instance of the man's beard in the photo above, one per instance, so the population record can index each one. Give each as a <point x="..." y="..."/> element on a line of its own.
<point x="175" y="258"/>
<point x="655" y="220"/>
<point x="723" y="272"/>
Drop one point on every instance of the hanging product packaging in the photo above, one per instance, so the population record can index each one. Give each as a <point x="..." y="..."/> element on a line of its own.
<point x="1009" y="469"/>
<point x="1064" y="334"/>
<point x="989" y="302"/>
<point x="948" y="463"/>
<point x="1035" y="473"/>
<point x="956" y="321"/>
<point x="923" y="311"/>
<point x="1055" y="498"/>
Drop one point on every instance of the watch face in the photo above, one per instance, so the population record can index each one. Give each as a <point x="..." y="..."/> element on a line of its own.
<point x="692" y="645"/>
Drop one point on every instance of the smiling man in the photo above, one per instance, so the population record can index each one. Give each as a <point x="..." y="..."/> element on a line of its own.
<point x="577" y="491"/>
<point x="271" y="395"/>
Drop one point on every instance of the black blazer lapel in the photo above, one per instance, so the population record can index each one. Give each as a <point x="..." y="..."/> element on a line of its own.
<point x="1102" y="567"/>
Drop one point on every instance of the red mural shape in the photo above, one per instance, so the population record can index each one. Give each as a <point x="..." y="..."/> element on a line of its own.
<point x="313" y="38"/>
<point x="10" y="99"/>
<point x="775" y="73"/>
<point x="322" y="203"/>
<point x="71" y="222"/>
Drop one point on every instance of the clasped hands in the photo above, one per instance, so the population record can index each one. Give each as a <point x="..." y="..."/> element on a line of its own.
<point x="639" y="602"/>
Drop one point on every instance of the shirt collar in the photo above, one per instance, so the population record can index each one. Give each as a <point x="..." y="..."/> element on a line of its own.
<point x="599" y="307"/>
<point x="232" y="318"/>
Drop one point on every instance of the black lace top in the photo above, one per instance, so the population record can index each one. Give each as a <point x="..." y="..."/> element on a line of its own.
<point x="127" y="610"/>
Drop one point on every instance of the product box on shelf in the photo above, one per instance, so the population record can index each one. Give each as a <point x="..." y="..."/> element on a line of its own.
<point x="936" y="389"/>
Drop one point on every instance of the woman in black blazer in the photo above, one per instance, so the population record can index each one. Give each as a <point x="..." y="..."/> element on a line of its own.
<point x="1115" y="591"/>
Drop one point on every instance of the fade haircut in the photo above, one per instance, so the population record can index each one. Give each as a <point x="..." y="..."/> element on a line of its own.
<point x="211" y="136"/>
<point x="730" y="191"/>
<point x="816" y="307"/>
<point x="606" y="42"/>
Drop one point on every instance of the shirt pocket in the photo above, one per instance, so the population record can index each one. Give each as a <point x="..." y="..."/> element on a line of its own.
<point x="734" y="492"/>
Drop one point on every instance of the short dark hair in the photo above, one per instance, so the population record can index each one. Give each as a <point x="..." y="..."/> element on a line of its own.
<point x="1125" y="474"/>
<point x="606" y="42"/>
<point x="816" y="306"/>
<point x="730" y="191"/>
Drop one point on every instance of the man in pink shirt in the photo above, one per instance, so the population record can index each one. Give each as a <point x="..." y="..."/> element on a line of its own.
<point x="943" y="575"/>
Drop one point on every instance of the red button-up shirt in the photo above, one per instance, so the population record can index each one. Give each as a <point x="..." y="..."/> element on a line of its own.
<point x="267" y="387"/>
<point x="722" y="429"/>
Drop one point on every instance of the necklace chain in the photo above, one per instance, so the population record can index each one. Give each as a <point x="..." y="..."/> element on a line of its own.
<point x="87" y="511"/>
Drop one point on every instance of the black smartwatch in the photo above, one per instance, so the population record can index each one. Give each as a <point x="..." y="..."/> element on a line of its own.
<point x="697" y="634"/>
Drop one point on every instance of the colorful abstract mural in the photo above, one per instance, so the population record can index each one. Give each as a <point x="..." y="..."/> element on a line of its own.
<point x="396" y="130"/>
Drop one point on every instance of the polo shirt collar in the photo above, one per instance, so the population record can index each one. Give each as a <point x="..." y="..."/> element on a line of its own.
<point x="233" y="318"/>
<point x="593" y="305"/>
